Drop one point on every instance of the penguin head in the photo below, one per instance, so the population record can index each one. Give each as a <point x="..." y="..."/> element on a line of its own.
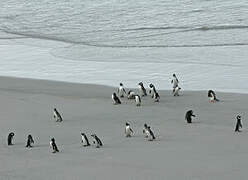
<point x="174" y="75"/>
<point x="238" y="117"/>
<point x="82" y="134"/>
<point x="141" y="83"/>
<point x="127" y="124"/>
<point x="93" y="135"/>
<point x="145" y="125"/>
<point x="52" y="139"/>
<point x="114" y="94"/>
<point x="121" y="84"/>
<point x="151" y="85"/>
<point x="11" y="134"/>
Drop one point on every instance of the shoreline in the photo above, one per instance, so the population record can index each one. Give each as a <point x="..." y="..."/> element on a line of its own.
<point x="109" y="86"/>
<point x="43" y="59"/>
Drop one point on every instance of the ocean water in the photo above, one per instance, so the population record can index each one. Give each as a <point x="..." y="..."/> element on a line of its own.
<point x="205" y="42"/>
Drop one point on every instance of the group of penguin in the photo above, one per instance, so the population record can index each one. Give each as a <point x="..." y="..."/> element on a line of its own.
<point x="128" y="130"/>
<point x="142" y="92"/>
<point x="85" y="141"/>
<point x="58" y="118"/>
<point x="146" y="131"/>
<point x="132" y="95"/>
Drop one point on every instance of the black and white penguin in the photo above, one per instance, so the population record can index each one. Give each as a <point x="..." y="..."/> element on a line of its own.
<point x="128" y="130"/>
<point x="151" y="136"/>
<point x="142" y="89"/>
<point x="85" y="140"/>
<point x="212" y="96"/>
<point x="176" y="91"/>
<point x="189" y="115"/>
<point x="146" y="131"/>
<point x="175" y="82"/>
<point x="238" y="124"/>
<point x="121" y="91"/>
<point x="97" y="141"/>
<point x="10" y="138"/>
<point x="152" y="90"/>
<point x="131" y="95"/>
<point x="30" y="141"/>
<point x="53" y="145"/>
<point x="115" y="99"/>
<point x="57" y="116"/>
<point x="137" y="100"/>
<point x="156" y="97"/>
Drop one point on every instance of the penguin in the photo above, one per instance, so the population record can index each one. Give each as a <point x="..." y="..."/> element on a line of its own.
<point x="152" y="90"/>
<point x="189" y="115"/>
<point x="30" y="141"/>
<point x="97" y="141"/>
<point x="146" y="131"/>
<point x="176" y="91"/>
<point x="115" y="99"/>
<point x="137" y="100"/>
<point x="53" y="145"/>
<point x="131" y="95"/>
<point x="151" y="134"/>
<point x="85" y="140"/>
<point x="212" y="96"/>
<point x="175" y="82"/>
<point x="57" y="116"/>
<point x="156" y="97"/>
<point x="238" y="124"/>
<point x="10" y="138"/>
<point x="128" y="130"/>
<point x="121" y="91"/>
<point x="142" y="89"/>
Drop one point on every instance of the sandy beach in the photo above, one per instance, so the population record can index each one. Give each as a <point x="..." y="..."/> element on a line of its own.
<point x="206" y="149"/>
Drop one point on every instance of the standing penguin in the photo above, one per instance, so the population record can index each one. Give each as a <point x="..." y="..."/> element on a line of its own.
<point x="142" y="89"/>
<point x="85" y="140"/>
<point x="189" y="115"/>
<point x="146" y="131"/>
<point x="137" y="100"/>
<point x="57" y="115"/>
<point x="115" y="99"/>
<point x="238" y="124"/>
<point x="128" y="130"/>
<point x="151" y="136"/>
<point x="156" y="97"/>
<point x="53" y="145"/>
<point x="212" y="96"/>
<point x="175" y="82"/>
<point x="10" y="138"/>
<point x="176" y="91"/>
<point x="97" y="141"/>
<point x="30" y="141"/>
<point x="152" y="90"/>
<point x="130" y="95"/>
<point x="121" y="91"/>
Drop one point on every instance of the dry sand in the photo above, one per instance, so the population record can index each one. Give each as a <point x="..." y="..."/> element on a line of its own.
<point x="205" y="149"/>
